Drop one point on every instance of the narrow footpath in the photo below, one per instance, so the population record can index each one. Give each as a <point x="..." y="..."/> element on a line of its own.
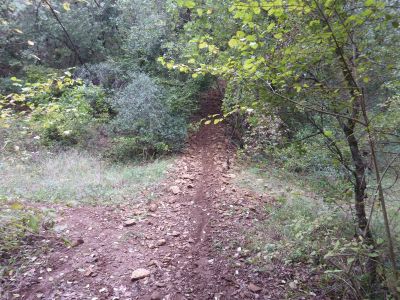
<point x="188" y="242"/>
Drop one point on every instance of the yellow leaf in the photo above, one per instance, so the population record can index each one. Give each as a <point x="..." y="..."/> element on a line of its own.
<point x="207" y="122"/>
<point x="17" y="206"/>
<point x="203" y="45"/>
<point x="66" y="6"/>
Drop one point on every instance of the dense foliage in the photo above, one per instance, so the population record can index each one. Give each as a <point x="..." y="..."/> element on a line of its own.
<point x="311" y="87"/>
<point x="308" y="83"/>
<point x="115" y="90"/>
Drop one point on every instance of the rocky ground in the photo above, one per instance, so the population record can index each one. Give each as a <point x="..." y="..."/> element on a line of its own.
<point x="186" y="243"/>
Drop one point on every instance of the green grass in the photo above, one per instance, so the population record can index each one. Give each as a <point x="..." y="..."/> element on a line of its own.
<point x="75" y="178"/>
<point x="311" y="218"/>
<point x="273" y="182"/>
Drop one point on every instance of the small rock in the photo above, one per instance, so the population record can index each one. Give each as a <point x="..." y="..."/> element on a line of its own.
<point x="190" y="186"/>
<point x="254" y="288"/>
<point x="156" y="296"/>
<point x="175" y="189"/>
<point x="161" y="242"/>
<point x="175" y="233"/>
<point x="153" y="207"/>
<point x="140" y="273"/>
<point x="89" y="273"/>
<point x="155" y="263"/>
<point x="129" y="222"/>
<point x="292" y="285"/>
<point x="78" y="242"/>
<point x="160" y="284"/>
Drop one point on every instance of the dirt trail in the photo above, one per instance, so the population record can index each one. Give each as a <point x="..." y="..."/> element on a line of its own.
<point x="190" y="238"/>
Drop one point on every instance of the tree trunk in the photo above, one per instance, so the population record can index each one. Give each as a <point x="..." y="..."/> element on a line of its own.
<point x="360" y="186"/>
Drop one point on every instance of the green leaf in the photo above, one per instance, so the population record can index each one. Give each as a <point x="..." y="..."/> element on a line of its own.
<point x="233" y="43"/>
<point x="350" y="260"/>
<point x="328" y="133"/>
<point x="373" y="254"/>
<point x="253" y="45"/>
<point x="257" y="10"/>
<point x="33" y="223"/>
<point x="189" y="4"/>
<point x="270" y="27"/>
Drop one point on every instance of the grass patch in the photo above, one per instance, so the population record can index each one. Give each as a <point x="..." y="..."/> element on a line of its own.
<point x="280" y="183"/>
<point x="77" y="178"/>
<point x="306" y="225"/>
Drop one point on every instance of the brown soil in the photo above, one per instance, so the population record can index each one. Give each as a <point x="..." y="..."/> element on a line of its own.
<point x="191" y="240"/>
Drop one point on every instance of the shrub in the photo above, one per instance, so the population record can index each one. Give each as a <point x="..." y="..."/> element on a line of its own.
<point x="57" y="110"/>
<point x="107" y="74"/>
<point x="18" y="223"/>
<point x="125" y="148"/>
<point x="63" y="120"/>
<point x="321" y="236"/>
<point x="143" y="114"/>
<point x="38" y="73"/>
<point x="181" y="97"/>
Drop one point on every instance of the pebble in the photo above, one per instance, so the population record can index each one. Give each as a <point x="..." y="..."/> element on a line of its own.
<point x="78" y="242"/>
<point x="153" y="207"/>
<point x="129" y="222"/>
<point x="175" y="189"/>
<point x="161" y="242"/>
<point x="140" y="273"/>
<point x="254" y="288"/>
